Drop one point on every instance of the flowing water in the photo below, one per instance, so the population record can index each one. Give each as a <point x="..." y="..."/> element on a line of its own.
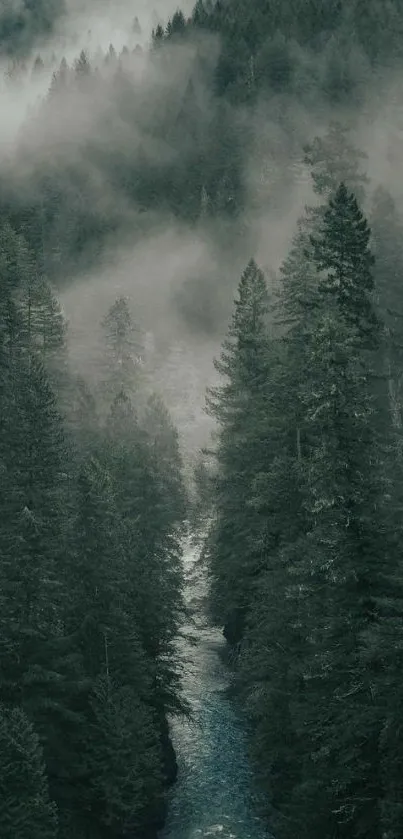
<point x="212" y="795"/>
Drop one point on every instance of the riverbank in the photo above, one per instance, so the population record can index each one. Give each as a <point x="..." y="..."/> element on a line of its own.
<point x="212" y="794"/>
<point x="156" y="820"/>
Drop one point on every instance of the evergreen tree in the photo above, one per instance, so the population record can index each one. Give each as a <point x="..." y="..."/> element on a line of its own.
<point x="339" y="568"/>
<point x="124" y="756"/>
<point x="164" y="445"/>
<point x="152" y="523"/>
<point x="26" y="809"/>
<point x="386" y="228"/>
<point x="342" y="252"/>
<point x="82" y="66"/>
<point x="103" y="627"/>
<point x="244" y="363"/>
<point x="44" y="327"/>
<point x="333" y="159"/>
<point x="32" y="529"/>
<point x="122" y="350"/>
<point x="82" y="418"/>
<point x="327" y="597"/>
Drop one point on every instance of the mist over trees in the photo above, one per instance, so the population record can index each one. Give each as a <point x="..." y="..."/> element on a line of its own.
<point x="92" y="517"/>
<point x="131" y="139"/>
<point x="22" y="22"/>
<point x="304" y="549"/>
<point x="301" y="485"/>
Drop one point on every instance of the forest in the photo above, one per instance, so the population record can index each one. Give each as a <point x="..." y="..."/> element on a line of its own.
<point x="230" y="120"/>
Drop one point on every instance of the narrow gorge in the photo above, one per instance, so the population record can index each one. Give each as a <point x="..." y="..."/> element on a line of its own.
<point x="212" y="795"/>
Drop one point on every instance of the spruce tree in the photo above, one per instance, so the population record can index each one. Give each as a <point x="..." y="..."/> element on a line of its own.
<point x="348" y="558"/>
<point x="152" y="523"/>
<point x="333" y="159"/>
<point x="124" y="755"/>
<point x="104" y="628"/>
<point x="341" y="252"/>
<point x="26" y="809"/>
<point x="122" y="350"/>
<point x="386" y="228"/>
<point x="311" y="665"/>
<point x="235" y="404"/>
<point x="32" y="530"/>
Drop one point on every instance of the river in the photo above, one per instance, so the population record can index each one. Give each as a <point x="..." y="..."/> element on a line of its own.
<point x="212" y="795"/>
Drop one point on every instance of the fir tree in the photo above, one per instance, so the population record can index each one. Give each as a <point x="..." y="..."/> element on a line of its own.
<point x="32" y="531"/>
<point x="311" y="666"/>
<point x="333" y="159"/>
<point x="124" y="755"/>
<point x="26" y="809"/>
<point x="343" y="502"/>
<point x="122" y="350"/>
<point x="244" y="363"/>
<point x="152" y="523"/>
<point x="386" y="228"/>
<point x="341" y="252"/>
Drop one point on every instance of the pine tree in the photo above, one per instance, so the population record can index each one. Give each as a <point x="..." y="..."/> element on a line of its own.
<point x="343" y="576"/>
<point x="82" y="420"/>
<point x="99" y="564"/>
<point x="382" y="641"/>
<point x="26" y="809"/>
<point x="59" y="81"/>
<point x="386" y="228"/>
<point x="178" y="23"/>
<point x="90" y="571"/>
<point x="158" y="36"/>
<point x="235" y="404"/>
<point x="36" y="672"/>
<point x="142" y="473"/>
<point x="44" y="327"/>
<point x="330" y="159"/>
<point x="327" y="596"/>
<point x="82" y="66"/>
<point x="122" y="351"/>
<point x="32" y="529"/>
<point x="124" y="755"/>
<point x="342" y="253"/>
<point x="164" y="444"/>
<point x="333" y="159"/>
<point x="104" y="626"/>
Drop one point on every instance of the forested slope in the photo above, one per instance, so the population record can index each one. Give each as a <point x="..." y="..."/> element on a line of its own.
<point x="305" y="490"/>
<point x="305" y="546"/>
<point x="92" y="513"/>
<point x="24" y="21"/>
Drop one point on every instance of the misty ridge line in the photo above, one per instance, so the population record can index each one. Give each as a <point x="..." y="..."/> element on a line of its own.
<point x="81" y="127"/>
<point x="201" y="329"/>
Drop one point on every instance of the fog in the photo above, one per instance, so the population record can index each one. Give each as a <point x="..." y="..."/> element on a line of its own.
<point x="180" y="278"/>
<point x="98" y="23"/>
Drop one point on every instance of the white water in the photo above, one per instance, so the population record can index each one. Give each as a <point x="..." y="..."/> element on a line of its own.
<point x="212" y="794"/>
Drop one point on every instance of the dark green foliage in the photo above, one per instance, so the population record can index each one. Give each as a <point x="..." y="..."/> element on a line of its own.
<point x="305" y="493"/>
<point x="334" y="160"/>
<point x="124" y="756"/>
<point x="144" y="466"/>
<point x="305" y="563"/>
<point x="90" y="576"/>
<point x="26" y="809"/>
<point x="386" y="234"/>
<point x="122" y="350"/>
<point x="23" y="22"/>
<point x="341" y="252"/>
<point x="245" y="363"/>
<point x="337" y="31"/>
<point x="323" y="52"/>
